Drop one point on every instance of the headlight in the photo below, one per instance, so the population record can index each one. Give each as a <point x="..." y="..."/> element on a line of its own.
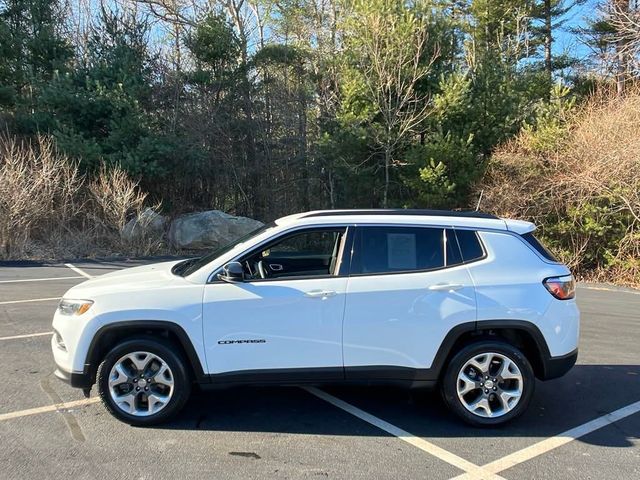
<point x="74" y="307"/>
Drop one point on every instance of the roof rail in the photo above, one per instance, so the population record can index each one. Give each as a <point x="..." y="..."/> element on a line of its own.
<point x="402" y="211"/>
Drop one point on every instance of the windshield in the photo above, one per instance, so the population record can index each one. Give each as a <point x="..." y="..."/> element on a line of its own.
<point x="194" y="264"/>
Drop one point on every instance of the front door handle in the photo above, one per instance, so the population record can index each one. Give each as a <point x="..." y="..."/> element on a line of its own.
<point x="445" y="287"/>
<point x="321" y="293"/>
<point x="276" y="267"/>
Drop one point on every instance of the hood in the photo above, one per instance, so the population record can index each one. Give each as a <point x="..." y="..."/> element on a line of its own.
<point x="127" y="280"/>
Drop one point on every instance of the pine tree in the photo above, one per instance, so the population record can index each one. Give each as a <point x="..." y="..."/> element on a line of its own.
<point x="33" y="51"/>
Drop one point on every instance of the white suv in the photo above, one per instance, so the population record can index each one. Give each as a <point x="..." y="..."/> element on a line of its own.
<point x="467" y="301"/>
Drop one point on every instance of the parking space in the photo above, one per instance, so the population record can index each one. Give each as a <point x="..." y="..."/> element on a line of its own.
<point x="611" y="452"/>
<point x="584" y="425"/>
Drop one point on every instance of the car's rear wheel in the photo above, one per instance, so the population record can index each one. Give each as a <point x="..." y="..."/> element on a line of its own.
<point x="488" y="383"/>
<point x="143" y="381"/>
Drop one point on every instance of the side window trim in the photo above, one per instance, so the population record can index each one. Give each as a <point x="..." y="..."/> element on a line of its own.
<point x="444" y="247"/>
<point x="343" y="263"/>
<point x="450" y="236"/>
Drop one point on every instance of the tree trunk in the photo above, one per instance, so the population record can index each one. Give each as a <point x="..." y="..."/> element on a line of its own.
<point x="548" y="41"/>
<point x="302" y="138"/>
<point x="178" y="73"/>
<point x="622" y="57"/>
<point x="621" y="73"/>
<point x="387" y="165"/>
<point x="256" y="209"/>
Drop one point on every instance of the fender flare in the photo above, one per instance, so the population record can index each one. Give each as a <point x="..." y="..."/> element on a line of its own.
<point x="92" y="359"/>
<point x="446" y="348"/>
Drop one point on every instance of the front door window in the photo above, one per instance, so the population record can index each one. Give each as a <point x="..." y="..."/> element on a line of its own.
<point x="311" y="253"/>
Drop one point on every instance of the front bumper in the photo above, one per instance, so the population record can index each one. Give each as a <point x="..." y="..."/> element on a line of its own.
<point x="65" y="370"/>
<point x="76" y="380"/>
<point x="69" y="344"/>
<point x="555" y="367"/>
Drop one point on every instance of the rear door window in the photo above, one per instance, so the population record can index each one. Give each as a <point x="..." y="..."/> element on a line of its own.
<point x="470" y="245"/>
<point x="379" y="250"/>
<point x="454" y="256"/>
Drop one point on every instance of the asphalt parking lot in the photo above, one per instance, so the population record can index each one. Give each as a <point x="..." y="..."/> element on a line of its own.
<point x="585" y="425"/>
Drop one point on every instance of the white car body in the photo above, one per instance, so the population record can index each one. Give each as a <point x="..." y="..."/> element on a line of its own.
<point x="397" y="326"/>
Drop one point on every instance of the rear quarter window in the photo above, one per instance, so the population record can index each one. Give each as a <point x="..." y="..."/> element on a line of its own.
<point x="538" y="246"/>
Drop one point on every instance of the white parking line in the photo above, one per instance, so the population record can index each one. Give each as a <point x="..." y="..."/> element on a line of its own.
<point x="48" y="408"/>
<point x="606" y="289"/>
<point x="551" y="443"/>
<point x="15" y="337"/>
<point x="39" y="279"/>
<point x="472" y="470"/>
<point x="77" y="270"/>
<point x="32" y="300"/>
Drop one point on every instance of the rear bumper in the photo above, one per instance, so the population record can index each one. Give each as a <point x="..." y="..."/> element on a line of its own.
<point x="555" y="367"/>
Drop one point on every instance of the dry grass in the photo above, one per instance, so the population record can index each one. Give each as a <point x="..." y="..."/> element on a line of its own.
<point x="38" y="192"/>
<point x="115" y="199"/>
<point x="115" y="196"/>
<point x="49" y="210"/>
<point x="581" y="190"/>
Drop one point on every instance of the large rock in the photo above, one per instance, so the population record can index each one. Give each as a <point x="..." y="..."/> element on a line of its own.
<point x="148" y="224"/>
<point x="212" y="229"/>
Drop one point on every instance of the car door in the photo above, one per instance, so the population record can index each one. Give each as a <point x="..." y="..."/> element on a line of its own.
<point x="287" y="326"/>
<point x="408" y="288"/>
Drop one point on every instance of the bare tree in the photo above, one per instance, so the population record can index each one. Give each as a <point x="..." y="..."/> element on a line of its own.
<point x="389" y="43"/>
<point x="625" y="19"/>
<point x="623" y="16"/>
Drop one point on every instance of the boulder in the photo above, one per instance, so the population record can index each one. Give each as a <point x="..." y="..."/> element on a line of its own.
<point x="149" y="223"/>
<point x="211" y="229"/>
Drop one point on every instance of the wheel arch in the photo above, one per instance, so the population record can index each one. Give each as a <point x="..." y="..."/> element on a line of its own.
<point x="522" y="334"/>
<point x="109" y="335"/>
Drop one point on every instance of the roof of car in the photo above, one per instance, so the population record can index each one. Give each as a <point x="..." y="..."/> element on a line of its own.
<point x="471" y="219"/>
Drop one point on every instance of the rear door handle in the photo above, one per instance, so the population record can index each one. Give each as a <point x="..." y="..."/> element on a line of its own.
<point x="445" y="287"/>
<point x="321" y="293"/>
<point x="276" y="267"/>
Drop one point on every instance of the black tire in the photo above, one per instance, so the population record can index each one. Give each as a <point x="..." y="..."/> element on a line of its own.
<point x="170" y="354"/>
<point x="449" y="381"/>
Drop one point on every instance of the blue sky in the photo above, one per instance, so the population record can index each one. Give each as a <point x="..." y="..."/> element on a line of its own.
<point x="577" y="17"/>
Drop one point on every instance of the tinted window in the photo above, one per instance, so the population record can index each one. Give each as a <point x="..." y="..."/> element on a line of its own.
<point x="314" y="243"/>
<point x="540" y="248"/>
<point x="454" y="257"/>
<point x="397" y="249"/>
<point x="469" y="245"/>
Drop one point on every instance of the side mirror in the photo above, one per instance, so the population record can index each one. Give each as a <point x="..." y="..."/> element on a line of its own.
<point x="232" y="272"/>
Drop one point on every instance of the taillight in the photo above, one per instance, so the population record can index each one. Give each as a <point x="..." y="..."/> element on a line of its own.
<point x="563" y="288"/>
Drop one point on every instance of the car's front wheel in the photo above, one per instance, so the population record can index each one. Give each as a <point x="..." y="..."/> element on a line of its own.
<point x="143" y="381"/>
<point x="488" y="383"/>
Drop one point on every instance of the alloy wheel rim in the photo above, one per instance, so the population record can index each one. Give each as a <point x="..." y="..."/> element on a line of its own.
<point x="141" y="384"/>
<point x="489" y="385"/>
